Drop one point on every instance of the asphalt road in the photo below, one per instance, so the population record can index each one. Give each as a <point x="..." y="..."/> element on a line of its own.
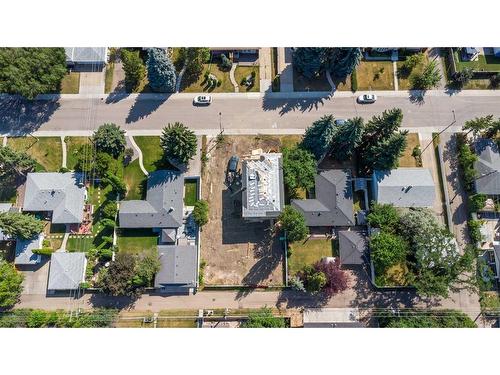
<point x="240" y="114"/>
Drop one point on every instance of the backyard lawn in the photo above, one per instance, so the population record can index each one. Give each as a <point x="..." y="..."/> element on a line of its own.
<point x="200" y="84"/>
<point x="73" y="145"/>
<point x="308" y="252"/>
<point x="137" y="240"/>
<point x="488" y="63"/>
<point x="242" y="72"/>
<point x="190" y="192"/>
<point x="47" y="151"/>
<point x="375" y="75"/>
<point x="70" y="84"/>
<point x="78" y="243"/>
<point x="407" y="159"/>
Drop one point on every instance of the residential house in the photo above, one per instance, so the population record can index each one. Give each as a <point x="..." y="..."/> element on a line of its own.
<point x="352" y="247"/>
<point x="333" y="205"/>
<point x="67" y="271"/>
<point x="25" y="248"/>
<point x="404" y="187"/>
<point x="487" y="167"/>
<point x="470" y="53"/>
<point x="332" y="318"/>
<point x="85" y="58"/>
<point x="263" y="193"/>
<point x="60" y="194"/>
<point x="179" y="268"/>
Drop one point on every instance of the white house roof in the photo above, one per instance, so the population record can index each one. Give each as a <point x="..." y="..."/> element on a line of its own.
<point x="24" y="251"/>
<point x="67" y="271"/>
<point x="82" y="55"/>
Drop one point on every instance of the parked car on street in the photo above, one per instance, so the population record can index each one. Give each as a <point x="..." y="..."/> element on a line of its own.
<point x="202" y="100"/>
<point x="367" y="98"/>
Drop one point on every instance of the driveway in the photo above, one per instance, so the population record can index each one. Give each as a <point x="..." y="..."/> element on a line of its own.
<point x="92" y="82"/>
<point x="285" y="69"/>
<point x="36" y="278"/>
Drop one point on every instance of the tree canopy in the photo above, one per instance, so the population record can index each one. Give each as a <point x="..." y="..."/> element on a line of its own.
<point x="200" y="212"/>
<point x="387" y="250"/>
<point x="14" y="163"/>
<point x="299" y="169"/>
<point x="318" y="137"/>
<point x="312" y="61"/>
<point x="195" y="58"/>
<point x="427" y="319"/>
<point x="428" y="78"/>
<point x="31" y="71"/>
<point x="178" y="142"/>
<point x="10" y="285"/>
<point x="110" y="138"/>
<point x="384" y="216"/>
<point x="117" y="281"/>
<point x="294" y="223"/>
<point x="147" y="266"/>
<point x="135" y="70"/>
<point x="161" y="71"/>
<point x="347" y="138"/>
<point x="264" y="318"/>
<point x="19" y="225"/>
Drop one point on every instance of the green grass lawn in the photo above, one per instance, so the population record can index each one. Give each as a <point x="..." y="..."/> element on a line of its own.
<point x="375" y="75"/>
<point x="70" y="84"/>
<point x="242" y="72"/>
<point x="151" y="151"/>
<point x="308" y="252"/>
<point x="190" y="192"/>
<point x="404" y="79"/>
<point x="47" y="151"/>
<point x="135" y="181"/>
<point x="73" y="145"/>
<point x="137" y="240"/>
<point x="487" y="63"/>
<point x="176" y="323"/>
<point x="407" y="159"/>
<point x="80" y="243"/>
<point x="200" y="86"/>
<point x="108" y="78"/>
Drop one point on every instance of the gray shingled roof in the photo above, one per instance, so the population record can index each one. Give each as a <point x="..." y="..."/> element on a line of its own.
<point x="352" y="246"/>
<point x="61" y="193"/>
<point x="178" y="266"/>
<point x="404" y="187"/>
<point x="333" y="204"/>
<point x="24" y="251"/>
<point x="263" y="191"/>
<point x="487" y="167"/>
<point x="86" y="55"/>
<point x="163" y="205"/>
<point x="67" y="270"/>
<point x="168" y="235"/>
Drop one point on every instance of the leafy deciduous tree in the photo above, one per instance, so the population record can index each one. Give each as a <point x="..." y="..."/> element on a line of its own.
<point x="299" y="169"/>
<point x="135" y="70"/>
<point x="294" y="223"/>
<point x="387" y="250"/>
<point x="110" y="138"/>
<point x="384" y="216"/>
<point x="10" y="285"/>
<point x="336" y="278"/>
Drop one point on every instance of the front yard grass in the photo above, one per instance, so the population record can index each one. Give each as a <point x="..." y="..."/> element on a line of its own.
<point x="70" y="84"/>
<point x="135" y="181"/>
<point x="137" y="240"/>
<point x="375" y="75"/>
<point x="200" y="85"/>
<point x="243" y="72"/>
<point x="151" y="151"/>
<point x="404" y="80"/>
<point x="190" y="192"/>
<point x="407" y="159"/>
<point x="108" y="78"/>
<point x="47" y="151"/>
<point x="308" y="252"/>
<point x="73" y="145"/>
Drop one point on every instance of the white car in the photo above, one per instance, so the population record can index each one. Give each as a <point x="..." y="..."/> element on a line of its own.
<point x="367" y="98"/>
<point x="202" y="99"/>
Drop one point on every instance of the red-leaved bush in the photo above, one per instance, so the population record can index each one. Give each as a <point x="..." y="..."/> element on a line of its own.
<point x="336" y="279"/>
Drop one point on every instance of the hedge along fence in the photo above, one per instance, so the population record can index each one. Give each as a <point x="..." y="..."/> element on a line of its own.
<point x="466" y="159"/>
<point x="477" y="74"/>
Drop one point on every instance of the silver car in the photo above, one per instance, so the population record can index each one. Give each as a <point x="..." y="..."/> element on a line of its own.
<point x="367" y="98"/>
<point x="202" y="100"/>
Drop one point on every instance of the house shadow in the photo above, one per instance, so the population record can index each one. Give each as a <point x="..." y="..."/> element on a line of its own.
<point x="22" y="116"/>
<point x="143" y="108"/>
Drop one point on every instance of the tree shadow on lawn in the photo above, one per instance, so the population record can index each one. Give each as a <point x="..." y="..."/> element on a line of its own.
<point x="21" y="116"/>
<point x="306" y="104"/>
<point x="144" y="105"/>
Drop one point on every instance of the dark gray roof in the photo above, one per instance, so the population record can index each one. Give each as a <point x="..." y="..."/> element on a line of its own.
<point x="163" y="205"/>
<point x="352" y="246"/>
<point x="405" y="187"/>
<point x="487" y="167"/>
<point x="86" y="55"/>
<point x="24" y="251"/>
<point x="168" y="235"/>
<point x="67" y="270"/>
<point x="262" y="182"/>
<point x="333" y="203"/>
<point x="61" y="193"/>
<point x="178" y="266"/>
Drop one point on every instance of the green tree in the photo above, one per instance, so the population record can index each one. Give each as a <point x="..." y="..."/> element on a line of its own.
<point x="462" y="77"/>
<point x="429" y="78"/>
<point x="299" y="169"/>
<point x="37" y="319"/>
<point x="427" y="319"/>
<point x="31" y="71"/>
<point x="387" y="250"/>
<point x="314" y="280"/>
<point x="109" y="210"/>
<point x="293" y="222"/>
<point x="346" y="139"/>
<point x="466" y="159"/>
<point x="135" y="70"/>
<point x="109" y="138"/>
<point x="478" y="125"/>
<point x="19" y="225"/>
<point x="380" y="128"/>
<point x="477" y="202"/>
<point x="178" y="142"/>
<point x="117" y="183"/>
<point x="200" y="212"/>
<point x="10" y="285"/>
<point x="118" y="280"/>
<point x="161" y="71"/>
<point x="412" y="62"/>
<point x="386" y="154"/>
<point x="14" y="164"/>
<point x="318" y="137"/>
<point x="147" y="266"/>
<point x="264" y="318"/>
<point x="384" y="216"/>
<point x="313" y="61"/>
<point x="195" y="58"/>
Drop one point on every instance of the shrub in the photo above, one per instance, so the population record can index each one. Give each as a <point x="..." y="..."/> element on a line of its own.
<point x="313" y="280"/>
<point x="477" y="202"/>
<point x="44" y="251"/>
<point x="63" y="170"/>
<point x="466" y="159"/>
<point x="109" y="210"/>
<point x="84" y="285"/>
<point x="474" y="230"/>
<point x="296" y="283"/>
<point x="495" y="81"/>
<point x="253" y="74"/>
<point x="36" y="319"/>
<point x="354" y="81"/>
<point x="200" y="212"/>
<point x="336" y="278"/>
<point x="105" y="254"/>
<point x="225" y="63"/>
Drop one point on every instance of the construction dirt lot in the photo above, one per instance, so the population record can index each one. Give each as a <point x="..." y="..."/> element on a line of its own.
<point x="238" y="252"/>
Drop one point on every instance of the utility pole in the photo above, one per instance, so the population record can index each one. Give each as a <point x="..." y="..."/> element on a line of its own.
<point x="220" y="123"/>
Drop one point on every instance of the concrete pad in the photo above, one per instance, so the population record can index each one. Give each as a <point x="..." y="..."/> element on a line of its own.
<point x="92" y="82"/>
<point x="36" y="278"/>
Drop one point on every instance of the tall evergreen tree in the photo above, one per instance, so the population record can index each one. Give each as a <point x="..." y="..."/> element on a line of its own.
<point x="347" y="59"/>
<point x="161" y="71"/>
<point x="346" y="139"/>
<point x="386" y="154"/>
<point x="14" y="163"/>
<point x="319" y="135"/>
<point x="20" y="225"/>
<point x="178" y="142"/>
<point x="134" y="68"/>
<point x="312" y="61"/>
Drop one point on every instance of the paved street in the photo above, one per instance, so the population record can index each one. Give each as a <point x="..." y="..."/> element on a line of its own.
<point x="240" y="113"/>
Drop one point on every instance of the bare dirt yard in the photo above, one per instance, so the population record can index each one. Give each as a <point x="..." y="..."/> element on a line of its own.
<point x="238" y="252"/>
